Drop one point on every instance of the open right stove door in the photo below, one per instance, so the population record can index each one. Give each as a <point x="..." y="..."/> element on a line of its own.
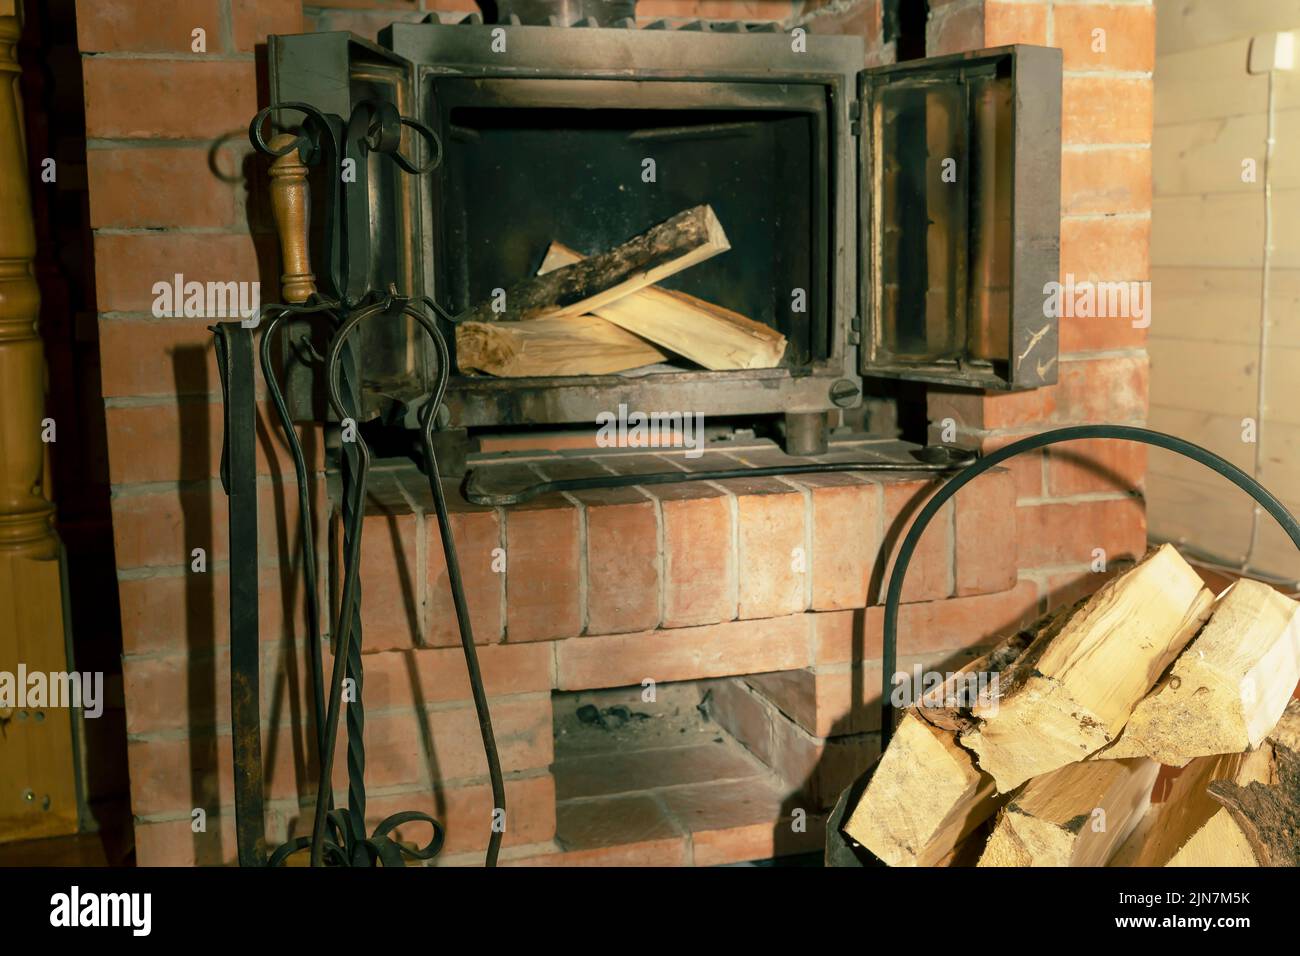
<point x="959" y="232"/>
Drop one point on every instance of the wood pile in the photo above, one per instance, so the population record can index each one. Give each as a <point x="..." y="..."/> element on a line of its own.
<point x="1151" y="724"/>
<point x="603" y="313"/>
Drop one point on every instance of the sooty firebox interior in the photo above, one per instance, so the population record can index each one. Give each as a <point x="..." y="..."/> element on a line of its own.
<point x="519" y="175"/>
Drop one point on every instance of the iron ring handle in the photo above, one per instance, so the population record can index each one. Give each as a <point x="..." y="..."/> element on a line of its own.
<point x="348" y="327"/>
<point x="440" y="344"/>
<point x="433" y="142"/>
<point x="302" y="140"/>
<point x="383" y="134"/>
<point x="889" y="651"/>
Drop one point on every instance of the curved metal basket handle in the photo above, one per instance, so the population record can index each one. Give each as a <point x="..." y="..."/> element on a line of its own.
<point x="889" y="653"/>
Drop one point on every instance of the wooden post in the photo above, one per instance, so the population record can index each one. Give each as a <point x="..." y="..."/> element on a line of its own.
<point x="37" y="777"/>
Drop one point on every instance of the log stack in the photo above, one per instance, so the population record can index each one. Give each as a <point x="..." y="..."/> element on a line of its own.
<point x="604" y="313"/>
<point x="1150" y="725"/>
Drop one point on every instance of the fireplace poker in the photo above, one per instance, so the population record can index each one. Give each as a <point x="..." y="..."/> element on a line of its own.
<point x="931" y="458"/>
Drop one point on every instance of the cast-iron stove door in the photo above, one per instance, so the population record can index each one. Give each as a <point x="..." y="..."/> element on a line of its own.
<point x="959" y="231"/>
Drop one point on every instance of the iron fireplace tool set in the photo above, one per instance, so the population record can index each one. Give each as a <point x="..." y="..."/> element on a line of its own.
<point x="341" y="149"/>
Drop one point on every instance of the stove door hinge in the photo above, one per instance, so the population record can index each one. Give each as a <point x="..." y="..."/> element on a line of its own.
<point x="855" y="117"/>
<point x="855" y="330"/>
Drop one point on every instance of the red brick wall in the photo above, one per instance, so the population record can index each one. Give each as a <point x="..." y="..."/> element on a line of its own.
<point x="173" y="188"/>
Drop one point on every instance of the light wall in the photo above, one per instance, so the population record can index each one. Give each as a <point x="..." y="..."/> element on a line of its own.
<point x="1225" y="253"/>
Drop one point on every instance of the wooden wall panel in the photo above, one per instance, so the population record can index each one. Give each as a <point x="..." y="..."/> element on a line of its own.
<point x="1198" y="156"/>
<point x="1208" y="230"/>
<point x="1208" y="305"/>
<point x="1194" y="24"/>
<point x="1206" y="83"/>
<point x="1213" y="264"/>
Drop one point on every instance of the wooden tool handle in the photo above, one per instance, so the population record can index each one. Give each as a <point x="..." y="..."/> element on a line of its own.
<point x="289" y="204"/>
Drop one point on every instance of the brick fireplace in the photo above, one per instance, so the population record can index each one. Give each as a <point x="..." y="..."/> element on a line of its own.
<point x="749" y="606"/>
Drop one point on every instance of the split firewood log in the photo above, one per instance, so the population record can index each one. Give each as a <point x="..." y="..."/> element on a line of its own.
<point x="1193" y="824"/>
<point x="572" y="345"/>
<point x="1078" y="815"/>
<point x="1073" y="690"/>
<point x="707" y="334"/>
<point x="1266" y="813"/>
<point x="926" y="795"/>
<point x="1228" y="689"/>
<point x="1186" y="826"/>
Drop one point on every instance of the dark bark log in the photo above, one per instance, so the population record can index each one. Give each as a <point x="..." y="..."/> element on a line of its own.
<point x="675" y="244"/>
<point x="1269" y="815"/>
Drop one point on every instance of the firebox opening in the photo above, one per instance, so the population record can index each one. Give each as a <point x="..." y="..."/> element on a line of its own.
<point x="649" y="766"/>
<point x="519" y="175"/>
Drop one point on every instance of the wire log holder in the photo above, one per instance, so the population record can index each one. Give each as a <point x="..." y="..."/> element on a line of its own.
<point x="838" y="846"/>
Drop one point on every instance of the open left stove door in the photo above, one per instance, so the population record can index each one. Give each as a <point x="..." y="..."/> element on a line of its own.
<point x="959" y="218"/>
